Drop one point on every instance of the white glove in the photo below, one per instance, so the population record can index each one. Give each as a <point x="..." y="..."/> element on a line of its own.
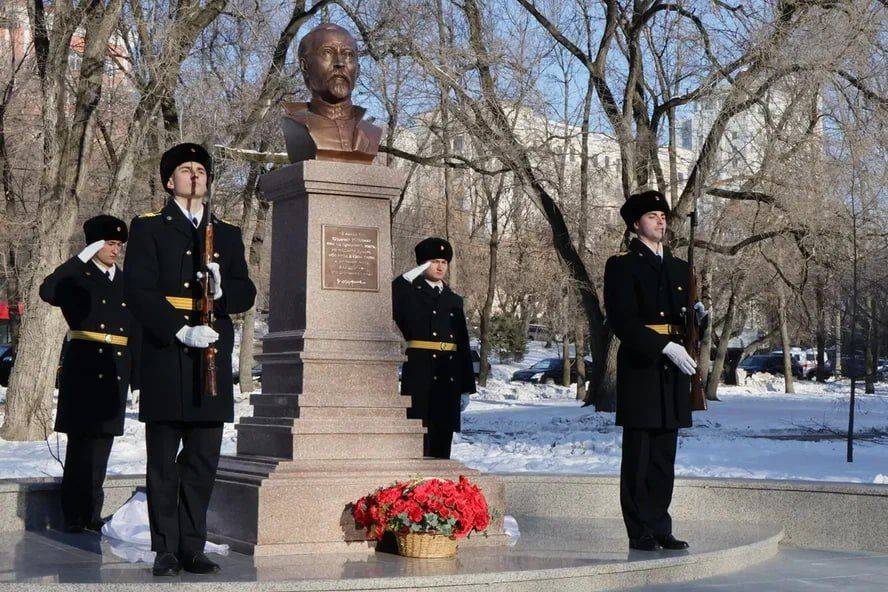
<point x="90" y="251"/>
<point x="216" y="283"/>
<point x="413" y="273"/>
<point x="680" y="357"/>
<point x="197" y="336"/>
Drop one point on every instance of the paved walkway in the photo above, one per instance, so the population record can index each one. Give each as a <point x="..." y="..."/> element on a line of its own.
<point x="798" y="570"/>
<point x="579" y="556"/>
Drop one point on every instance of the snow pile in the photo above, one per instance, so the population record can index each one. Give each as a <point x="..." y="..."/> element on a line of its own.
<point x="761" y="381"/>
<point x="502" y="390"/>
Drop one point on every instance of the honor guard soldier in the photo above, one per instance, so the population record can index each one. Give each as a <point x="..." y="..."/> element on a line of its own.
<point x="439" y="364"/>
<point x="162" y="273"/>
<point x="646" y="299"/>
<point x="97" y="366"/>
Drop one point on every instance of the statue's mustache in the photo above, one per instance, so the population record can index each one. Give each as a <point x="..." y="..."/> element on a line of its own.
<point x="342" y="77"/>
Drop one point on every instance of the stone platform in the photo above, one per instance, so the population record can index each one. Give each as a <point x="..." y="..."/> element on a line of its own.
<point x="551" y="555"/>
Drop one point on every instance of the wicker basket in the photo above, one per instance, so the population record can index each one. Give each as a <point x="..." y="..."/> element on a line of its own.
<point x="426" y="546"/>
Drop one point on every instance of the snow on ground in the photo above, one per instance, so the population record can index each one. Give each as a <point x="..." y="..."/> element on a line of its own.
<point x="756" y="431"/>
<point x="36" y="459"/>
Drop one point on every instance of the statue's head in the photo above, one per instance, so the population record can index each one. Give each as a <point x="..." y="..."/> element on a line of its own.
<point x="328" y="58"/>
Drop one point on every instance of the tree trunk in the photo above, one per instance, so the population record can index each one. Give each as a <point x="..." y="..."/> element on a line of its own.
<point x="30" y="395"/>
<point x="706" y="344"/>
<point x="784" y="341"/>
<point x="249" y="223"/>
<point x="488" y="298"/>
<point x="565" y="357"/>
<point x="580" y="357"/>
<point x="722" y="350"/>
<point x="821" y="329"/>
<point x="838" y="320"/>
<point x="447" y="140"/>
<point x="870" y="346"/>
<point x="606" y="399"/>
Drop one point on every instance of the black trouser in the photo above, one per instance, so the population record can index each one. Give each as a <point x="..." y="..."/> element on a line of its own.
<point x="86" y="460"/>
<point x="647" y="474"/>
<point x="436" y="442"/>
<point x="179" y="486"/>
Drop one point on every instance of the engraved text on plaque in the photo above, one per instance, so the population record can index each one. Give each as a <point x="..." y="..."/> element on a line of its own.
<point x="350" y="258"/>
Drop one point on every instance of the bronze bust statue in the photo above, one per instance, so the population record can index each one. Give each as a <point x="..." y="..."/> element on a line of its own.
<point x="329" y="127"/>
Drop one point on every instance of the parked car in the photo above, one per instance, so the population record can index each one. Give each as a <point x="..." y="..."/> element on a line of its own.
<point x="547" y="371"/>
<point x="811" y="374"/>
<point x="771" y="363"/>
<point x="7" y="357"/>
<point x="806" y="361"/>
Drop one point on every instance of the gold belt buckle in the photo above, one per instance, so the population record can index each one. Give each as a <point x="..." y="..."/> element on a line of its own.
<point x="443" y="346"/>
<point x="107" y="338"/>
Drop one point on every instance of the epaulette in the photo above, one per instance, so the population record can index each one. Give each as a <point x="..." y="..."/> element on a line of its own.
<point x="149" y="214"/>
<point x="223" y="220"/>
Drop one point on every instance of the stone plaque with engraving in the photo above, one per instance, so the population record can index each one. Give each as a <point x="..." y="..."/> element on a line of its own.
<point x="350" y="258"/>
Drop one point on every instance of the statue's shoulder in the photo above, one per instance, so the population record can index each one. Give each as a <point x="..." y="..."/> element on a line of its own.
<point x="296" y="111"/>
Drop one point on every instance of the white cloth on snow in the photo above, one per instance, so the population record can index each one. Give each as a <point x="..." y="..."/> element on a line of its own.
<point x="129" y="536"/>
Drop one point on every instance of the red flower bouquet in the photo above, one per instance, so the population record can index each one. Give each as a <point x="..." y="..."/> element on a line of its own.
<point x="424" y="506"/>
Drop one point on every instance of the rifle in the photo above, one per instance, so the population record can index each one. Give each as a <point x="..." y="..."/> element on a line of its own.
<point x="692" y="332"/>
<point x="206" y="300"/>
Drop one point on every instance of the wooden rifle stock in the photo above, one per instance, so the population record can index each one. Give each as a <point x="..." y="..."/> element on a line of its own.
<point x="692" y="327"/>
<point x="692" y="344"/>
<point x="206" y="308"/>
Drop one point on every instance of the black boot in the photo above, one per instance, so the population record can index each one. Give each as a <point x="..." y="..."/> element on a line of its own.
<point x="166" y="564"/>
<point x="671" y="543"/>
<point x="95" y="526"/>
<point x="199" y="564"/>
<point x="644" y="543"/>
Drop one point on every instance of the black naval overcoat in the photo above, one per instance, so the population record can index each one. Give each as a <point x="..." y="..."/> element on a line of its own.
<point x="433" y="379"/>
<point x="163" y="257"/>
<point x="95" y="377"/>
<point x="641" y="290"/>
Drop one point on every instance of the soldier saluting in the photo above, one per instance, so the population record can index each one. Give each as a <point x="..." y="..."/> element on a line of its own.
<point x="163" y="290"/>
<point x="646" y="299"/>
<point x="97" y="366"/>
<point x="439" y="364"/>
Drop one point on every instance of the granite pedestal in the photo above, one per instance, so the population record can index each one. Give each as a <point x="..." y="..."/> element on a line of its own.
<point x="329" y="425"/>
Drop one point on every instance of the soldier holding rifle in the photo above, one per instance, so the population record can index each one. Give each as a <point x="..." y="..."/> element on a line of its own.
<point x="646" y="299"/>
<point x="173" y="280"/>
